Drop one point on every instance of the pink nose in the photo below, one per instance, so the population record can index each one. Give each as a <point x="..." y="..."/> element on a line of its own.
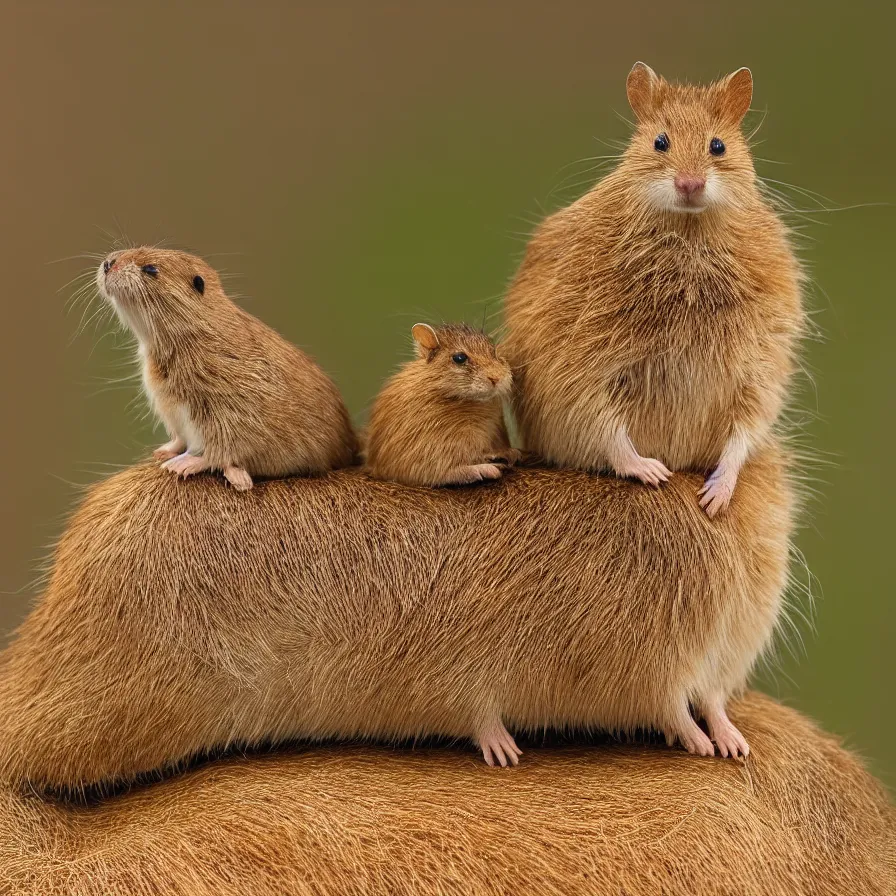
<point x="688" y="184"/>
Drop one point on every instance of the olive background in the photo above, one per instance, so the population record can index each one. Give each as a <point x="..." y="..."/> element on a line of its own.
<point x="353" y="167"/>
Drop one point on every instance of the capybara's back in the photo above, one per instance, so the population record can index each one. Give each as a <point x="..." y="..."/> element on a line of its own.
<point x="182" y="617"/>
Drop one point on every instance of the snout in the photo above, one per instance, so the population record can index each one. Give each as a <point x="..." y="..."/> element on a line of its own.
<point x="108" y="264"/>
<point x="690" y="186"/>
<point x="500" y="382"/>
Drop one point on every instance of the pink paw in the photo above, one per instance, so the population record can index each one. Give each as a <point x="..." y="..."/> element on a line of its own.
<point x="238" y="478"/>
<point x="715" y="496"/>
<point x="185" y="465"/>
<point x="728" y="739"/>
<point x="499" y="748"/>
<point x="169" y="450"/>
<point x="485" y="471"/>
<point x="645" y="469"/>
<point x="692" y="738"/>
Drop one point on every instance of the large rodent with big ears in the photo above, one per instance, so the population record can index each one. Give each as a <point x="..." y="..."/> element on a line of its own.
<point x="653" y="324"/>
<point x="232" y="393"/>
<point x="440" y="419"/>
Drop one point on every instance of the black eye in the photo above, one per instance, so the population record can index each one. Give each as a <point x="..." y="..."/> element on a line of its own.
<point x="716" y="147"/>
<point x="459" y="358"/>
<point x="150" y="269"/>
<point x="661" y="144"/>
<point x="199" y="284"/>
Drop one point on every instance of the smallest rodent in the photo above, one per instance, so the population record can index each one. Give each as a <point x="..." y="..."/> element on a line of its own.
<point x="440" y="419"/>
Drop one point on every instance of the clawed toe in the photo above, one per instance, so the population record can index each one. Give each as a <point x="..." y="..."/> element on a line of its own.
<point x="691" y="738"/>
<point x="715" y="495"/>
<point x="499" y="748"/>
<point x="169" y="450"/>
<point x="185" y="465"/>
<point x="731" y="743"/>
<point x="238" y="478"/>
<point x="647" y="470"/>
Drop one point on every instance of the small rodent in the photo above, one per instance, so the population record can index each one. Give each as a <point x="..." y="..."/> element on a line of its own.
<point x="652" y="325"/>
<point x="232" y="393"/>
<point x="440" y="419"/>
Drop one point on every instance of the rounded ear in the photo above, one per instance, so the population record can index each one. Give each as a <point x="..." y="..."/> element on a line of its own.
<point x="737" y="94"/>
<point x="425" y="337"/>
<point x="639" y="86"/>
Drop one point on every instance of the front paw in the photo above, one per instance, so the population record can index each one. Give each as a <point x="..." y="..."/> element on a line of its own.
<point x="507" y="456"/>
<point x="715" y="496"/>
<point x="169" y="450"/>
<point x="485" y="471"/>
<point x="185" y="464"/>
<point x="645" y="469"/>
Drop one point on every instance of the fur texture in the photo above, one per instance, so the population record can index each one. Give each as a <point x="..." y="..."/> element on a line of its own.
<point x="183" y="617"/>
<point x="233" y="394"/>
<point x="440" y="419"/>
<point x="800" y="818"/>
<point x="647" y="329"/>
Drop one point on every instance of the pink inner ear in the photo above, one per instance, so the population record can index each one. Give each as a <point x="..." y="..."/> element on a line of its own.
<point x="425" y="337"/>
<point x="738" y="94"/>
<point x="640" y="86"/>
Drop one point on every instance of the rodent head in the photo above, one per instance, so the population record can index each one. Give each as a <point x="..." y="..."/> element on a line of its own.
<point x="462" y="362"/>
<point x="688" y="153"/>
<point x="157" y="291"/>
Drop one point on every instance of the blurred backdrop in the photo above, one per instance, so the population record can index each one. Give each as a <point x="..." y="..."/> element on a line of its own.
<point x="353" y="167"/>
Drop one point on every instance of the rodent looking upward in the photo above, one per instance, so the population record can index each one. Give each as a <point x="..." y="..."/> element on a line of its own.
<point x="653" y="323"/>
<point x="440" y="419"/>
<point x="233" y="394"/>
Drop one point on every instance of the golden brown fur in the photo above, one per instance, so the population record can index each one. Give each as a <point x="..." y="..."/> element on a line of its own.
<point x="633" y="315"/>
<point x="800" y="818"/>
<point x="229" y="389"/>
<point x="440" y="422"/>
<point x="181" y="617"/>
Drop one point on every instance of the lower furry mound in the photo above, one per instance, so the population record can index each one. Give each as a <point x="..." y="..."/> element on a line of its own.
<point x="800" y="817"/>
<point x="182" y="617"/>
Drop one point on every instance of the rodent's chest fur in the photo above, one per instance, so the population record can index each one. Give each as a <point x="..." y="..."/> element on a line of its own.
<point x="667" y="326"/>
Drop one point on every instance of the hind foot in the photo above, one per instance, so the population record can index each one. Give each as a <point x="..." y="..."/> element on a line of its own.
<point x="498" y="746"/>
<point x="691" y="737"/>
<point x="170" y="449"/>
<point x="185" y="464"/>
<point x="238" y="477"/>
<point x="728" y="739"/>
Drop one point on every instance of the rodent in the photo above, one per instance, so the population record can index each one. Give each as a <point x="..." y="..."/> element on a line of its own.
<point x="234" y="395"/>
<point x="653" y="323"/>
<point x="440" y="419"/>
<point x="599" y="819"/>
<point x="347" y="607"/>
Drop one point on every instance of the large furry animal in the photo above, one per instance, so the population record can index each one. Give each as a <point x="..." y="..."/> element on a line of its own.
<point x="184" y="617"/>
<point x="800" y="818"/>
<point x="653" y="324"/>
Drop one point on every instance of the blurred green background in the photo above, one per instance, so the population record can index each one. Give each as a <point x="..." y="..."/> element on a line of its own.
<point x="356" y="166"/>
